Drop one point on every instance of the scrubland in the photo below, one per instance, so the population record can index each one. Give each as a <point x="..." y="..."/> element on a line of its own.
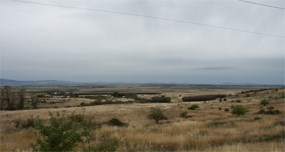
<point x="211" y="127"/>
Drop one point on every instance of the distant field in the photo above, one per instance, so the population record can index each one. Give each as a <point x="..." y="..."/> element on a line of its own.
<point x="211" y="127"/>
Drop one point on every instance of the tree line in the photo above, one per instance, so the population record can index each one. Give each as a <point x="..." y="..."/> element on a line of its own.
<point x="15" y="99"/>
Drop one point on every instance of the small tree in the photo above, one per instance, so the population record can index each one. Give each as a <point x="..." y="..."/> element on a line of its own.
<point x="239" y="110"/>
<point x="156" y="114"/>
<point x="264" y="102"/>
<point x="62" y="133"/>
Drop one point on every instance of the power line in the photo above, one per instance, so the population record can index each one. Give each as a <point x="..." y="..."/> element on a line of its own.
<point x="282" y="8"/>
<point x="154" y="17"/>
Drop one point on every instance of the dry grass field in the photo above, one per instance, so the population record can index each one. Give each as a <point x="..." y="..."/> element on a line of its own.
<point x="210" y="128"/>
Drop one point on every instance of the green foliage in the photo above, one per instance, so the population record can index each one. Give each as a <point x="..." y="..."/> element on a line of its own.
<point x="193" y="107"/>
<point x="264" y="102"/>
<point x="156" y="114"/>
<point x="116" y="122"/>
<point x="184" y="114"/>
<point x="239" y="110"/>
<point x="62" y="133"/>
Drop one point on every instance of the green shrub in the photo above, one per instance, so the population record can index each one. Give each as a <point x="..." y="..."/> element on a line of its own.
<point x="156" y="114"/>
<point x="116" y="122"/>
<point x="193" y="107"/>
<point x="264" y="102"/>
<point x="184" y="114"/>
<point x="62" y="133"/>
<point x="239" y="110"/>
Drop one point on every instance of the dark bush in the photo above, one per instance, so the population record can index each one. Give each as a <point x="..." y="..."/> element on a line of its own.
<point x="193" y="107"/>
<point x="269" y="111"/>
<point x="264" y="102"/>
<point x="161" y="99"/>
<point x="203" y="97"/>
<point x="257" y="118"/>
<point x="117" y="94"/>
<point x="256" y="90"/>
<point x="184" y="114"/>
<point x="227" y="109"/>
<point x="116" y="122"/>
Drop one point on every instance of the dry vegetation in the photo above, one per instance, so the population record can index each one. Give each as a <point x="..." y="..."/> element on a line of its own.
<point x="211" y="128"/>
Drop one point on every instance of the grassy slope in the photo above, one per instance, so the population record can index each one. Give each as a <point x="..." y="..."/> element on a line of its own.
<point x="208" y="128"/>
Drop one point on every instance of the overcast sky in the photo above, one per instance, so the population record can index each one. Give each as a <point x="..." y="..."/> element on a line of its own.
<point x="47" y="42"/>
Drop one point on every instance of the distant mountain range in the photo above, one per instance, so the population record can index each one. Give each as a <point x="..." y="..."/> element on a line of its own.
<point x="40" y="82"/>
<point x="10" y="82"/>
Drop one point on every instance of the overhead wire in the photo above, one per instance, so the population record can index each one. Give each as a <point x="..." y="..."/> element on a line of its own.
<point x="255" y="3"/>
<point x="153" y="17"/>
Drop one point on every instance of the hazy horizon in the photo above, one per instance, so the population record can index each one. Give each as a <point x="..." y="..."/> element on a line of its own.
<point x="40" y="42"/>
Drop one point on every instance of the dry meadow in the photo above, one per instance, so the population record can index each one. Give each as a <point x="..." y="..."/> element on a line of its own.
<point x="210" y="128"/>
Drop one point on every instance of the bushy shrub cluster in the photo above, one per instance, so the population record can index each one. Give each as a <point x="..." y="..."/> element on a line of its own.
<point x="203" y="97"/>
<point x="161" y="99"/>
<point x="269" y="111"/>
<point x="256" y="90"/>
<point x="156" y="99"/>
<point x="62" y="133"/>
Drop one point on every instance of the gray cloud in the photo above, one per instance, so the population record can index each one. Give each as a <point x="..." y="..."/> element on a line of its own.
<point x="43" y="42"/>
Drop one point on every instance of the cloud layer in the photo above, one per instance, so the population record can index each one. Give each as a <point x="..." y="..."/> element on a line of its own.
<point x="45" y="42"/>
